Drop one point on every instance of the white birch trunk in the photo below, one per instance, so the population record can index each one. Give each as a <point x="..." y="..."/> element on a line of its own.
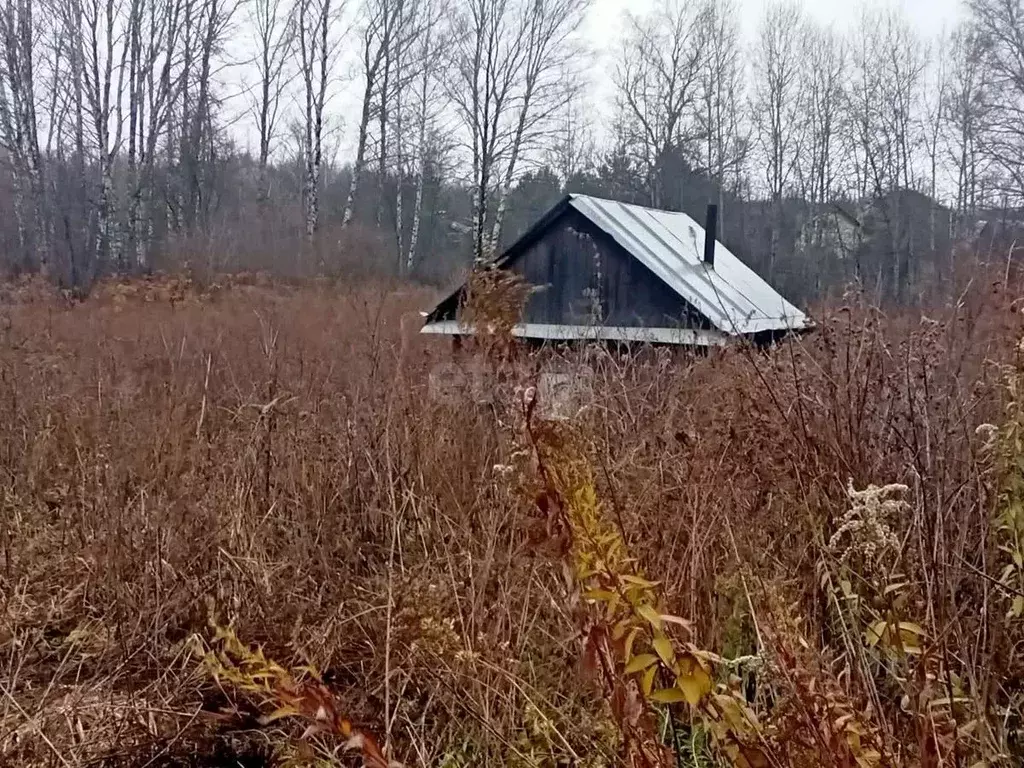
<point x="313" y="44"/>
<point x="399" y="170"/>
<point x="421" y="172"/>
<point x="506" y="184"/>
<point x="357" y="166"/>
<point x="312" y="193"/>
<point x="417" y="212"/>
<point x="107" y="245"/>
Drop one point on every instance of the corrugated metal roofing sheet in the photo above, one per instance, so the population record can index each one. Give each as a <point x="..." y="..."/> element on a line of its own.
<point x="731" y="295"/>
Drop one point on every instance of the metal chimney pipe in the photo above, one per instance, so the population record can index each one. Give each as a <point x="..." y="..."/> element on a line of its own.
<point x="710" y="230"/>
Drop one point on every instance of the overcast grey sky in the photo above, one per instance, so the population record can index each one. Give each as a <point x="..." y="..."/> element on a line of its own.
<point x="603" y="30"/>
<point x="928" y="15"/>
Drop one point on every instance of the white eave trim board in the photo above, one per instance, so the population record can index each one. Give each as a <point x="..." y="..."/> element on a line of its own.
<point x="552" y="332"/>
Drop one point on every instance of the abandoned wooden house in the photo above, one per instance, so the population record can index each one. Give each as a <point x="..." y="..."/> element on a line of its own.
<point x="610" y="271"/>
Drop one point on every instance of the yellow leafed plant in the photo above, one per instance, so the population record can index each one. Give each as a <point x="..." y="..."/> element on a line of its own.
<point x="636" y="647"/>
<point x="281" y="693"/>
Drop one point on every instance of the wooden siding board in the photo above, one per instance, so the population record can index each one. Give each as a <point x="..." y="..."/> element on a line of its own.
<point x="560" y="260"/>
<point x="574" y="262"/>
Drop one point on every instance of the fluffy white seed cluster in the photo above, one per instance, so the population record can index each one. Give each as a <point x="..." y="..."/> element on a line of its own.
<point x="866" y="529"/>
<point x="989" y="433"/>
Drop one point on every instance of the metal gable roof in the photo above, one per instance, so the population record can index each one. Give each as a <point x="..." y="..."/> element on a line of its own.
<point x="730" y="294"/>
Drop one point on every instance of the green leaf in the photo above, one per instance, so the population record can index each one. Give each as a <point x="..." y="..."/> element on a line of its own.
<point x="652" y="616"/>
<point x="869" y="758"/>
<point x="663" y="647"/>
<point x="648" y="680"/>
<point x="602" y="595"/>
<point x="279" y="713"/>
<point x="695" y="685"/>
<point x="638" y="581"/>
<point x="668" y="618"/>
<point x="620" y="629"/>
<point x="912" y="628"/>
<point x="875" y="632"/>
<point x="1017" y="609"/>
<point x="640" y="662"/>
<point x="628" y="647"/>
<point x="668" y="696"/>
<point x="613" y="606"/>
<point x="911" y="636"/>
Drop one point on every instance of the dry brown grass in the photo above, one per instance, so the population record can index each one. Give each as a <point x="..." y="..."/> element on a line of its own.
<point x="274" y="449"/>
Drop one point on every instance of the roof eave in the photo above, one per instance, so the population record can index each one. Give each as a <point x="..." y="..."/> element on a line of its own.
<point x="560" y="332"/>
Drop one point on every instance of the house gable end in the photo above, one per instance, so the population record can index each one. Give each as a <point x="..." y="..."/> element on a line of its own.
<point x="448" y="307"/>
<point x="584" y="277"/>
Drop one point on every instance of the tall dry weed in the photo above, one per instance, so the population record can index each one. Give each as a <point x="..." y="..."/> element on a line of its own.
<point x="274" y="448"/>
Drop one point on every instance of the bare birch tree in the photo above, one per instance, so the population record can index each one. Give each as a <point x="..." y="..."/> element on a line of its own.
<point x="510" y="72"/>
<point x="931" y="119"/>
<point x="823" y="82"/>
<point x="1000" y="30"/>
<point x="573" y="148"/>
<point x="488" y="55"/>
<point x="154" y="36"/>
<point x="213" y="19"/>
<point x="274" y="35"/>
<point x="547" y="84"/>
<point x="393" y="80"/>
<point x="379" y="22"/>
<point x="721" y="94"/>
<point x="777" y="105"/>
<point x="403" y="58"/>
<point x="18" y="127"/>
<point x="823" y="76"/>
<point x="423" y="94"/>
<point x="658" y="81"/>
<point x="316" y="42"/>
<point x="137" y="64"/>
<point x="75" y="212"/>
<point x="125" y="75"/>
<point x="163" y="85"/>
<point x="964" y="99"/>
<point x="888" y="63"/>
<point x="105" y="53"/>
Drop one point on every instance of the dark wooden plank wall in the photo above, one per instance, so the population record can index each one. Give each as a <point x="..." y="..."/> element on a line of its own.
<point x="576" y="264"/>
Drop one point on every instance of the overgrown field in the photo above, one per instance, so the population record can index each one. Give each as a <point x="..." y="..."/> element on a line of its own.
<point x="219" y="503"/>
